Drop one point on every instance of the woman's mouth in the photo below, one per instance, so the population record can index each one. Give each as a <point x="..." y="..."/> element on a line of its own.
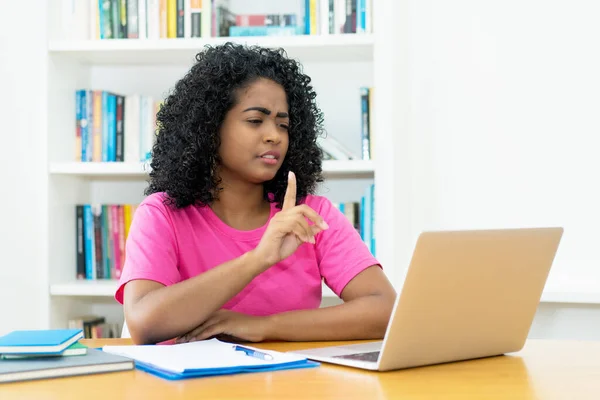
<point x="269" y="159"/>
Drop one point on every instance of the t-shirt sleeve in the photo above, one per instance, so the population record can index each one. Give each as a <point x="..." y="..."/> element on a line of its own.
<point x="341" y="253"/>
<point x="150" y="250"/>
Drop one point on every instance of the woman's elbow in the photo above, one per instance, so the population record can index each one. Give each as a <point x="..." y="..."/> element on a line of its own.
<point x="144" y="324"/>
<point x="140" y="328"/>
<point x="386" y="307"/>
<point x="142" y="315"/>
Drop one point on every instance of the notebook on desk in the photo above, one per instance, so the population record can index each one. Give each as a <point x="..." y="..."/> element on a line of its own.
<point x="31" y="368"/>
<point x="42" y="341"/>
<point x="207" y="358"/>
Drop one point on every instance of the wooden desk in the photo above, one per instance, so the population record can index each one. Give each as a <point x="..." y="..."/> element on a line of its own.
<point x="542" y="370"/>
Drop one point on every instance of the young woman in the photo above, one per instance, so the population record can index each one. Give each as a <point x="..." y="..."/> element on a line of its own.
<point x="230" y="241"/>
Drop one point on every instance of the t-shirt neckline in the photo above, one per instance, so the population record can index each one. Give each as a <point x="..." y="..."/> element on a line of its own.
<point x="234" y="233"/>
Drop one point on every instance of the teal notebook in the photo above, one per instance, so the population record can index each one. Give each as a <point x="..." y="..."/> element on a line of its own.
<point x="76" y="349"/>
<point x="207" y="358"/>
<point x="50" y="341"/>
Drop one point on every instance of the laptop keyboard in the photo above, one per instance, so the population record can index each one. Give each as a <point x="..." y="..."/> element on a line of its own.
<point x="370" y="356"/>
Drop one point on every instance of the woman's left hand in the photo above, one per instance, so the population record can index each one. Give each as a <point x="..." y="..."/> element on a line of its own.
<point x="229" y="324"/>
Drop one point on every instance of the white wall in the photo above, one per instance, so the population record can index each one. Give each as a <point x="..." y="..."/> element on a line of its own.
<point x="506" y="101"/>
<point x="503" y="131"/>
<point x="23" y="299"/>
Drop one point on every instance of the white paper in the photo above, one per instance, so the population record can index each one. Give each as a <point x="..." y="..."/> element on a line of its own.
<point x="206" y="354"/>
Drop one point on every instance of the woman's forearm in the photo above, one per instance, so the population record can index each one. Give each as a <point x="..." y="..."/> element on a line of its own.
<point x="363" y="318"/>
<point x="171" y="311"/>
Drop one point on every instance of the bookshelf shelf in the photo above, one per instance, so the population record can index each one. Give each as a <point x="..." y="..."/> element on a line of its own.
<point x="91" y="288"/>
<point x="107" y="288"/>
<point x="308" y="48"/>
<point x="339" y="169"/>
<point x="100" y="169"/>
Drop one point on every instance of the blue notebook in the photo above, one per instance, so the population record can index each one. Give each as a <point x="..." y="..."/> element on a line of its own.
<point x="51" y="341"/>
<point x="206" y="358"/>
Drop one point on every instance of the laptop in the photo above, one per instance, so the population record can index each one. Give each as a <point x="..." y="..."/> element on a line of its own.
<point x="466" y="295"/>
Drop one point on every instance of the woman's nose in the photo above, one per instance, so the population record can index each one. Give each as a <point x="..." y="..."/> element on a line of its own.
<point x="272" y="134"/>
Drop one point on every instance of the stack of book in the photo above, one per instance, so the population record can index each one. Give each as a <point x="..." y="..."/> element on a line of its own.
<point x="101" y="233"/>
<point x="362" y="216"/>
<point x="38" y="354"/>
<point x="95" y="327"/>
<point x="171" y="19"/>
<point x="114" y="127"/>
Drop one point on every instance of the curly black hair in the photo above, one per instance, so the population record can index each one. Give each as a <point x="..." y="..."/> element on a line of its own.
<point x="185" y="153"/>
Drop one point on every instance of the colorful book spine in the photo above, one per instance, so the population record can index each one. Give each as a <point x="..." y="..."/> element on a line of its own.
<point x="361" y="215"/>
<point x="119" y="128"/>
<point x="111" y="121"/>
<point x="106" y="242"/>
<point x="101" y="234"/>
<point x="105" y="127"/>
<point x="97" y="126"/>
<point x="106" y="16"/>
<point x="180" y="22"/>
<point x="80" y="241"/>
<point x="90" y="242"/>
<point x="122" y="4"/>
<point x="365" y="136"/>
<point x="78" y="118"/>
<point x="86" y="127"/>
<point x="132" y="19"/>
<point x="112" y="127"/>
<point x="171" y="19"/>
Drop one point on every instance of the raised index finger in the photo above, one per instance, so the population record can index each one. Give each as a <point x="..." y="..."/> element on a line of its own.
<point x="289" y="201"/>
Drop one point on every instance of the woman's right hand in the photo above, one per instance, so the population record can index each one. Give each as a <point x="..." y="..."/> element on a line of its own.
<point x="289" y="228"/>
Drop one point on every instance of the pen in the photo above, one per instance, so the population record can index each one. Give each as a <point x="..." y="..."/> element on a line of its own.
<point x="253" y="353"/>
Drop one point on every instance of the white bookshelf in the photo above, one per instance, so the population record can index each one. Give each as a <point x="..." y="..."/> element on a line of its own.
<point x="107" y="288"/>
<point x="338" y="65"/>
<point x="337" y="48"/>
<point x="85" y="288"/>
<point x="331" y="169"/>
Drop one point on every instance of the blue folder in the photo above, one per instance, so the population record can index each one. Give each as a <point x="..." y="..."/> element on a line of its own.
<point x="207" y="358"/>
<point x="197" y="373"/>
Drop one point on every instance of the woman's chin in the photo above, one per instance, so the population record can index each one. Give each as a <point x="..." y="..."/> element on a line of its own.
<point x="263" y="176"/>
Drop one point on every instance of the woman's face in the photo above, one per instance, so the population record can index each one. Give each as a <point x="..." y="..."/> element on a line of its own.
<point x="254" y="134"/>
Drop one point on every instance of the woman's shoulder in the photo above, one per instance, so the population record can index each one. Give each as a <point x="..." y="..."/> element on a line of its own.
<point x="160" y="203"/>
<point x="156" y="200"/>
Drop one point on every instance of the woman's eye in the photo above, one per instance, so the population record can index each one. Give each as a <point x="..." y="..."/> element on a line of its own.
<point x="286" y="127"/>
<point x="255" y="121"/>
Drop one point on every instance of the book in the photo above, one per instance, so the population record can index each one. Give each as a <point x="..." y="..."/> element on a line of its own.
<point x="51" y="341"/>
<point x="206" y="358"/>
<point x="76" y="349"/>
<point x="32" y="368"/>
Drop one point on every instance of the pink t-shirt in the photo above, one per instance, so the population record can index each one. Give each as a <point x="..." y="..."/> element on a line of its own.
<point x="170" y="245"/>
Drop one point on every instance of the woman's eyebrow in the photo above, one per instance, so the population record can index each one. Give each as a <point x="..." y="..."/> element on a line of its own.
<point x="266" y="111"/>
